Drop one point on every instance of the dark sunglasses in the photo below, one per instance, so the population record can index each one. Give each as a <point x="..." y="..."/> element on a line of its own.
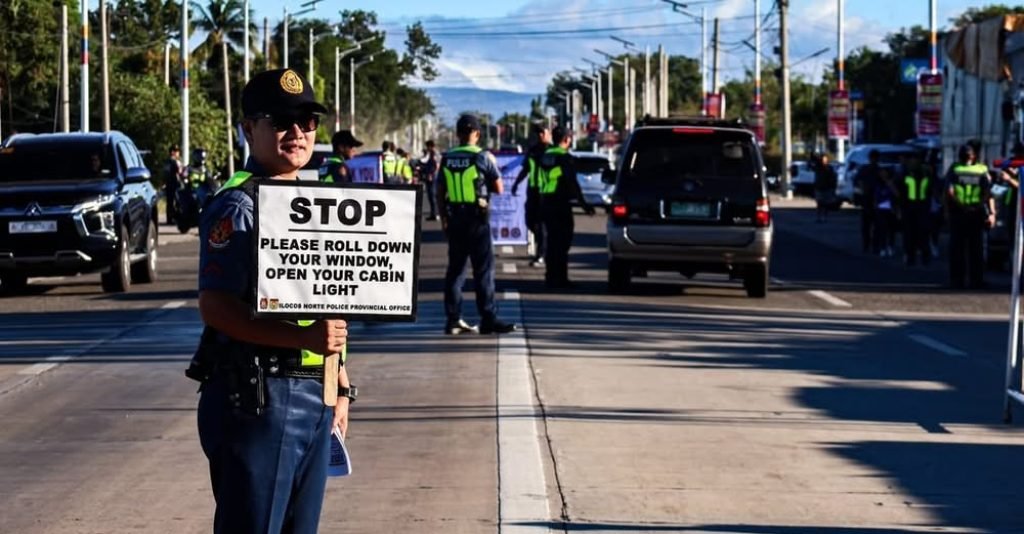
<point x="282" y="123"/>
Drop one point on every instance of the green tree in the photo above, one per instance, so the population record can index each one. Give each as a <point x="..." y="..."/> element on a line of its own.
<point x="29" y="63"/>
<point x="223" y="22"/>
<point x="979" y="14"/>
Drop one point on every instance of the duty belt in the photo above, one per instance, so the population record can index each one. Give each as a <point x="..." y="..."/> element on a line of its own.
<point x="287" y="364"/>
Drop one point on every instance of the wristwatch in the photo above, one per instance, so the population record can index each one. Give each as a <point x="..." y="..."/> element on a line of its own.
<point x="352" y="392"/>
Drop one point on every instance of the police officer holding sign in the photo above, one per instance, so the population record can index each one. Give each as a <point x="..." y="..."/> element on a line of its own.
<point x="264" y="419"/>
<point x="971" y="212"/>
<point x="334" y="169"/>
<point x="558" y="187"/>
<point x="470" y="175"/>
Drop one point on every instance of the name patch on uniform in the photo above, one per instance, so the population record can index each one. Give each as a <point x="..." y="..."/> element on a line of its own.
<point x="220" y="234"/>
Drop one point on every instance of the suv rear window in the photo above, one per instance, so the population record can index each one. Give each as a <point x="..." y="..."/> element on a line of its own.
<point x="591" y="165"/>
<point x="55" y="161"/>
<point x="671" y="154"/>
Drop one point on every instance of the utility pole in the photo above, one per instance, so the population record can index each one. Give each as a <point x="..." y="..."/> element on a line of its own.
<point x="105" y="76"/>
<point x="787" y="127"/>
<point x="757" y="52"/>
<point x="245" y="74"/>
<point x="703" y="56"/>
<point x="840" y="62"/>
<point x="714" y="78"/>
<point x="167" y="63"/>
<point x="933" y="39"/>
<point x="266" y="42"/>
<point x="285" y="34"/>
<point x="184" y="83"/>
<point x="626" y="94"/>
<point x="85" y="67"/>
<point x="337" y="89"/>
<point x="648" y="102"/>
<point x="65" y="103"/>
<point x="310" y="77"/>
<point x="227" y="109"/>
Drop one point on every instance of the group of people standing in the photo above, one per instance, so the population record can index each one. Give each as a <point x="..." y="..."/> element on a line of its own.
<point x="911" y="197"/>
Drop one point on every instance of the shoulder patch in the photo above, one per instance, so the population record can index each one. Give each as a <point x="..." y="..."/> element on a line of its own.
<point x="220" y="233"/>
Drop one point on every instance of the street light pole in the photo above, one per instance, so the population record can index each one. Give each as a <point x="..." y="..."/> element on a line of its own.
<point x="285" y="37"/>
<point x="840" y="143"/>
<point x="104" y="67"/>
<point x="85" y="67"/>
<point x="184" y="83"/>
<point x="65" y="104"/>
<point x="245" y="76"/>
<point x="352" y="89"/>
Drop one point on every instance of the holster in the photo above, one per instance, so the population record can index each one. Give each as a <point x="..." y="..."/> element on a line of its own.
<point x="240" y="369"/>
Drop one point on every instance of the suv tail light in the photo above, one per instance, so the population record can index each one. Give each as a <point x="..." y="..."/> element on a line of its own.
<point x="619" y="211"/>
<point x="763" y="214"/>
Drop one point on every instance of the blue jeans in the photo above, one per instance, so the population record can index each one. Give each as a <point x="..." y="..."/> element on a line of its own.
<point x="469" y="237"/>
<point x="268" y="472"/>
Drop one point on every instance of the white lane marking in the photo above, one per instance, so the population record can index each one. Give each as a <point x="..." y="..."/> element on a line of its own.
<point x="937" y="345"/>
<point x="509" y="268"/>
<point x="173" y="305"/>
<point x="829" y="298"/>
<point x="777" y="281"/>
<point x="522" y="489"/>
<point x="506" y="249"/>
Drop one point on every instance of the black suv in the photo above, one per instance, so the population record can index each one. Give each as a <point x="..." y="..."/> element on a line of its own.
<point x="76" y="203"/>
<point x="690" y="196"/>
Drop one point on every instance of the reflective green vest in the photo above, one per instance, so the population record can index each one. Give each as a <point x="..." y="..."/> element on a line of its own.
<point x="534" y="182"/>
<point x="390" y="164"/>
<point x="309" y="358"/>
<point x="969" y="194"/>
<point x="549" y="177"/>
<point x="196" y="176"/>
<point x="404" y="170"/>
<point x="917" y="189"/>
<point x="461" y="174"/>
<point x="325" y="168"/>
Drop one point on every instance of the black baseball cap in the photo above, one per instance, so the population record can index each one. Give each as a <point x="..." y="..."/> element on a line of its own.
<point x="467" y="123"/>
<point x="279" y="91"/>
<point x="345" y="138"/>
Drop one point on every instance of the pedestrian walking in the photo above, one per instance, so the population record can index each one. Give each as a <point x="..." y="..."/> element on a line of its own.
<point x="886" y="202"/>
<point x="971" y="213"/>
<point x="471" y="176"/>
<point x="531" y="172"/>
<point x="866" y="182"/>
<point x="428" y="175"/>
<point x="916" y="202"/>
<point x="558" y="188"/>
<point x="173" y="173"/>
<point x="334" y="168"/>
<point x="825" y="182"/>
<point x="264" y="425"/>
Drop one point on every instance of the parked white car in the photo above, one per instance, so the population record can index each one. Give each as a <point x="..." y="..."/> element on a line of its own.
<point x="590" y="170"/>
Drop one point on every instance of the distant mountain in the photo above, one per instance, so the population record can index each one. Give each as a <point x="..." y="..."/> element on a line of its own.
<point x="450" y="101"/>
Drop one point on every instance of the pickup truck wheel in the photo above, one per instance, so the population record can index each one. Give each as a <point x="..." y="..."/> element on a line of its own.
<point x="755" y="281"/>
<point x="145" y="272"/>
<point x="618" y="276"/>
<point x="118" y="278"/>
<point x="12" y="283"/>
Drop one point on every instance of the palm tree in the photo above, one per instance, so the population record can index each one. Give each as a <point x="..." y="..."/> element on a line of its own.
<point x="224" y="22"/>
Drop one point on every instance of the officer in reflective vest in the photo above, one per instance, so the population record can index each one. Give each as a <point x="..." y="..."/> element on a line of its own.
<point x="389" y="163"/>
<point x="264" y="425"/>
<point x="333" y="169"/>
<point x="469" y="177"/>
<point x="558" y="188"/>
<point x="916" y="192"/>
<point x="403" y="169"/>
<point x="972" y="212"/>
<point x="531" y="171"/>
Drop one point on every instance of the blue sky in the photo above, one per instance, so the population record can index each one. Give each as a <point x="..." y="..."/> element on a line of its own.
<point x="485" y="59"/>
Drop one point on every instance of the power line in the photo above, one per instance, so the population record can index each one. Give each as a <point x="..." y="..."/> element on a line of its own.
<point x="524" y="20"/>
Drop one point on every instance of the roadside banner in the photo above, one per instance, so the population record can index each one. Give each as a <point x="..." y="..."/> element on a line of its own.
<point x="336" y="250"/>
<point x="929" y="105"/>
<point x="366" y="169"/>
<point x="757" y="121"/>
<point x="839" y="114"/>
<point x="508" y="212"/>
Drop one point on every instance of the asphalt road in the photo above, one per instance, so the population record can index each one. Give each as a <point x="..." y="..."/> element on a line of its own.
<point x="859" y="397"/>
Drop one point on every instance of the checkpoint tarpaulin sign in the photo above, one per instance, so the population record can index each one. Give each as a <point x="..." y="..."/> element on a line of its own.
<point x="508" y="212"/>
<point x="366" y="169"/>
<point x="839" y="114"/>
<point x="336" y="250"/>
<point x="929" y="104"/>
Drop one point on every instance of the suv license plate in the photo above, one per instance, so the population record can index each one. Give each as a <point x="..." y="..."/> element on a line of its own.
<point x="32" y="227"/>
<point x="689" y="210"/>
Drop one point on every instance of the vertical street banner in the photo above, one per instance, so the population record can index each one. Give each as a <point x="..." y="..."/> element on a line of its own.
<point x="839" y="114"/>
<point x="929" y="105"/>
<point x="508" y="212"/>
<point x="757" y="121"/>
<point x="714" y="105"/>
<point x="336" y="251"/>
<point x="366" y="168"/>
